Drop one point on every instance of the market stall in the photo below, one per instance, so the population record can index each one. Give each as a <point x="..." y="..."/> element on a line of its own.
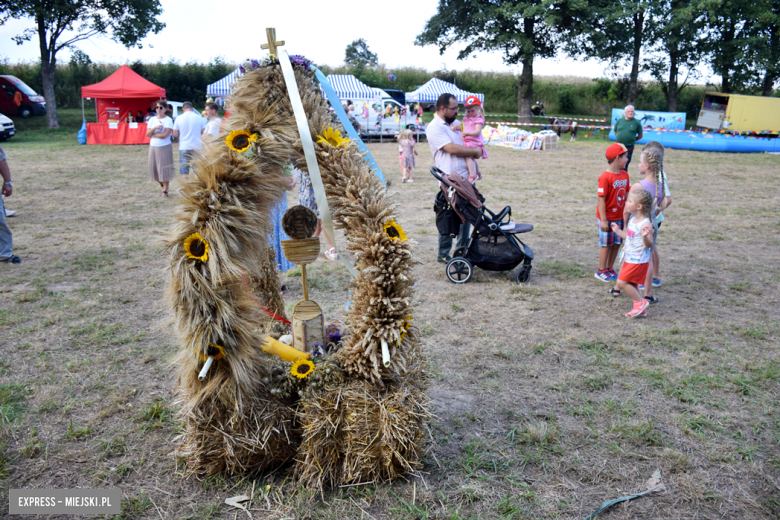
<point x="349" y="87"/>
<point x="221" y="88"/>
<point x="430" y="92"/>
<point x="121" y="93"/>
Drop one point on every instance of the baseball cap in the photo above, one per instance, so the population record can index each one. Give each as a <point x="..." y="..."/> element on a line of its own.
<point x="615" y="149"/>
<point x="472" y="101"/>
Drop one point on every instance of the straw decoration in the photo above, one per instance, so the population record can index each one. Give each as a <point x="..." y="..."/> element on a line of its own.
<point x="348" y="418"/>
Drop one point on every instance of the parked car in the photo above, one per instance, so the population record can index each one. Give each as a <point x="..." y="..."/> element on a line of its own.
<point x="396" y="94"/>
<point x="406" y="120"/>
<point x="176" y="109"/>
<point x="30" y="103"/>
<point x="7" y="128"/>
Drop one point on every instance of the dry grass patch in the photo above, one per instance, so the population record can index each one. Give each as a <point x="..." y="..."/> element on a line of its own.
<point x="548" y="401"/>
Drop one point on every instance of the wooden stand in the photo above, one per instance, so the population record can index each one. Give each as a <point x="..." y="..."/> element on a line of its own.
<point x="308" y="325"/>
<point x="307" y="320"/>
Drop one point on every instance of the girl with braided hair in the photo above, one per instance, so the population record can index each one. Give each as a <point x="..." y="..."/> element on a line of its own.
<point x="662" y="206"/>
<point x="638" y="240"/>
<point x="651" y="166"/>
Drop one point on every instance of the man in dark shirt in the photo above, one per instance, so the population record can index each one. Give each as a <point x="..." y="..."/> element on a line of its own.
<point x="628" y="131"/>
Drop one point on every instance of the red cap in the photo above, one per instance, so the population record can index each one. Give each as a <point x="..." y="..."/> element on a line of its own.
<point x="615" y="149"/>
<point x="472" y="101"/>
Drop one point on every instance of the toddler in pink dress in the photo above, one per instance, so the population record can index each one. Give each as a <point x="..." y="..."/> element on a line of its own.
<point x="471" y="131"/>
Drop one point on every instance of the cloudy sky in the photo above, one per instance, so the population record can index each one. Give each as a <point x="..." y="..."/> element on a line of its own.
<point x="197" y="30"/>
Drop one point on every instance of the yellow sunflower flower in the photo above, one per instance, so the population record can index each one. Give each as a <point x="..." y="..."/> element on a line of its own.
<point x="214" y="351"/>
<point x="196" y="247"/>
<point x="395" y="231"/>
<point x="302" y="368"/>
<point x="405" y="329"/>
<point x="332" y="136"/>
<point x="240" y="140"/>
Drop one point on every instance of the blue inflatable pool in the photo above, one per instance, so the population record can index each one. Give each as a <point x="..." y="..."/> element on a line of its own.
<point x="710" y="142"/>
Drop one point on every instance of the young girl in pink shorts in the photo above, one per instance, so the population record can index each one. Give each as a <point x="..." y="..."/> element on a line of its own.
<point x="473" y="124"/>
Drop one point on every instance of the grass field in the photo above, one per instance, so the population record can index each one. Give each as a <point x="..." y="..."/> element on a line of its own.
<point x="548" y="400"/>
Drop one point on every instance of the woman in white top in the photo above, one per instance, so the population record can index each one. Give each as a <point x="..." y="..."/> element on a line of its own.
<point x="159" y="129"/>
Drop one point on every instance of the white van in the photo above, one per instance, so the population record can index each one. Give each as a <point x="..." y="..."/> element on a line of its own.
<point x="7" y="128"/>
<point x="369" y="124"/>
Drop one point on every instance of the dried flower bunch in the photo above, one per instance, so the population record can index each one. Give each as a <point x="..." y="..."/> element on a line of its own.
<point x="343" y="416"/>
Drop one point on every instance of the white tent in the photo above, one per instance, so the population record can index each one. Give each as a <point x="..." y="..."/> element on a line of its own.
<point x="349" y="87"/>
<point x="222" y="87"/>
<point x="435" y="87"/>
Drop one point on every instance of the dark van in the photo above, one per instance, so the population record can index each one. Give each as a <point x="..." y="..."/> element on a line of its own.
<point x="16" y="98"/>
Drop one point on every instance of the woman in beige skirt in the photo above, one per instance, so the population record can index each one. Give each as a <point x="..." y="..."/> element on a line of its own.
<point x="160" y="148"/>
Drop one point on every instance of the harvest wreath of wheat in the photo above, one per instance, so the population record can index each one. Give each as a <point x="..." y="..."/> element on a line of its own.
<point x="350" y="410"/>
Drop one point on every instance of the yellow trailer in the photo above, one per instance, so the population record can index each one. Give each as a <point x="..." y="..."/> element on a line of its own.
<point x="739" y="113"/>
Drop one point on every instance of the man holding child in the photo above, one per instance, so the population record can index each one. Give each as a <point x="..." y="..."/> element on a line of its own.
<point x="449" y="157"/>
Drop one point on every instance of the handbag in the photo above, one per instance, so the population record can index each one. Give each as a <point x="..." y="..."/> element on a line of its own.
<point x="447" y="221"/>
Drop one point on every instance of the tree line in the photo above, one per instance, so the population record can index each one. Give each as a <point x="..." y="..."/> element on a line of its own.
<point x="562" y="95"/>
<point x="188" y="81"/>
<point x="738" y="40"/>
<point x="181" y="81"/>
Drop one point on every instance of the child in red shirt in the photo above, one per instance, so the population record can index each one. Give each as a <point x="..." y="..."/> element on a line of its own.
<point x="612" y="192"/>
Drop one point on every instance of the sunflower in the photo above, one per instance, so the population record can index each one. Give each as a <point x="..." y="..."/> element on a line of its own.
<point x="302" y="368"/>
<point x="395" y="231"/>
<point x="196" y="247"/>
<point x="405" y="329"/>
<point x="240" y="140"/>
<point x="332" y="136"/>
<point x="214" y="351"/>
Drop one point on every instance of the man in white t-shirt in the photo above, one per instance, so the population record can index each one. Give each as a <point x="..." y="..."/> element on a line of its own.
<point x="212" y="112"/>
<point x="187" y="129"/>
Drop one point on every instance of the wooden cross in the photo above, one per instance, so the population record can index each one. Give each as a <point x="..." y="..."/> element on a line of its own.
<point x="272" y="43"/>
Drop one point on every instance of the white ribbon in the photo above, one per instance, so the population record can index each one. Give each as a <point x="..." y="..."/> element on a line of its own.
<point x="310" y="154"/>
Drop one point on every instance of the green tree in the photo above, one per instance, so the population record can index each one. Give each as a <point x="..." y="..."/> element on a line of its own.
<point x="733" y="39"/>
<point x="61" y="23"/>
<point x="768" y="45"/>
<point x="521" y="30"/>
<point x="678" y="31"/>
<point x="358" y="54"/>
<point x="616" y="32"/>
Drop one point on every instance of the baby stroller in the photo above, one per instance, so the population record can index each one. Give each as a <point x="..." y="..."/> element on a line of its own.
<point x="493" y="245"/>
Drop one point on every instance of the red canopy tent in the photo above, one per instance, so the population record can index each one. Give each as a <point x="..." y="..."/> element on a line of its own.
<point x="122" y="92"/>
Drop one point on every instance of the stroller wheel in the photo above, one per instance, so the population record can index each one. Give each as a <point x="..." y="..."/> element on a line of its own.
<point x="459" y="270"/>
<point x="523" y="275"/>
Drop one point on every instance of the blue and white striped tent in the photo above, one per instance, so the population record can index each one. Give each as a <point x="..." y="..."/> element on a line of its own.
<point x="222" y="87"/>
<point x="431" y="91"/>
<point x="349" y="87"/>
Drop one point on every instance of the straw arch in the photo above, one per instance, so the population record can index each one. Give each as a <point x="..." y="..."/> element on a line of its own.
<point x="243" y="418"/>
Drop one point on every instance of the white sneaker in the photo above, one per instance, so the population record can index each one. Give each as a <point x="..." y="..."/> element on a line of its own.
<point x="410" y="180"/>
<point x="9" y="213"/>
<point x="332" y="254"/>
